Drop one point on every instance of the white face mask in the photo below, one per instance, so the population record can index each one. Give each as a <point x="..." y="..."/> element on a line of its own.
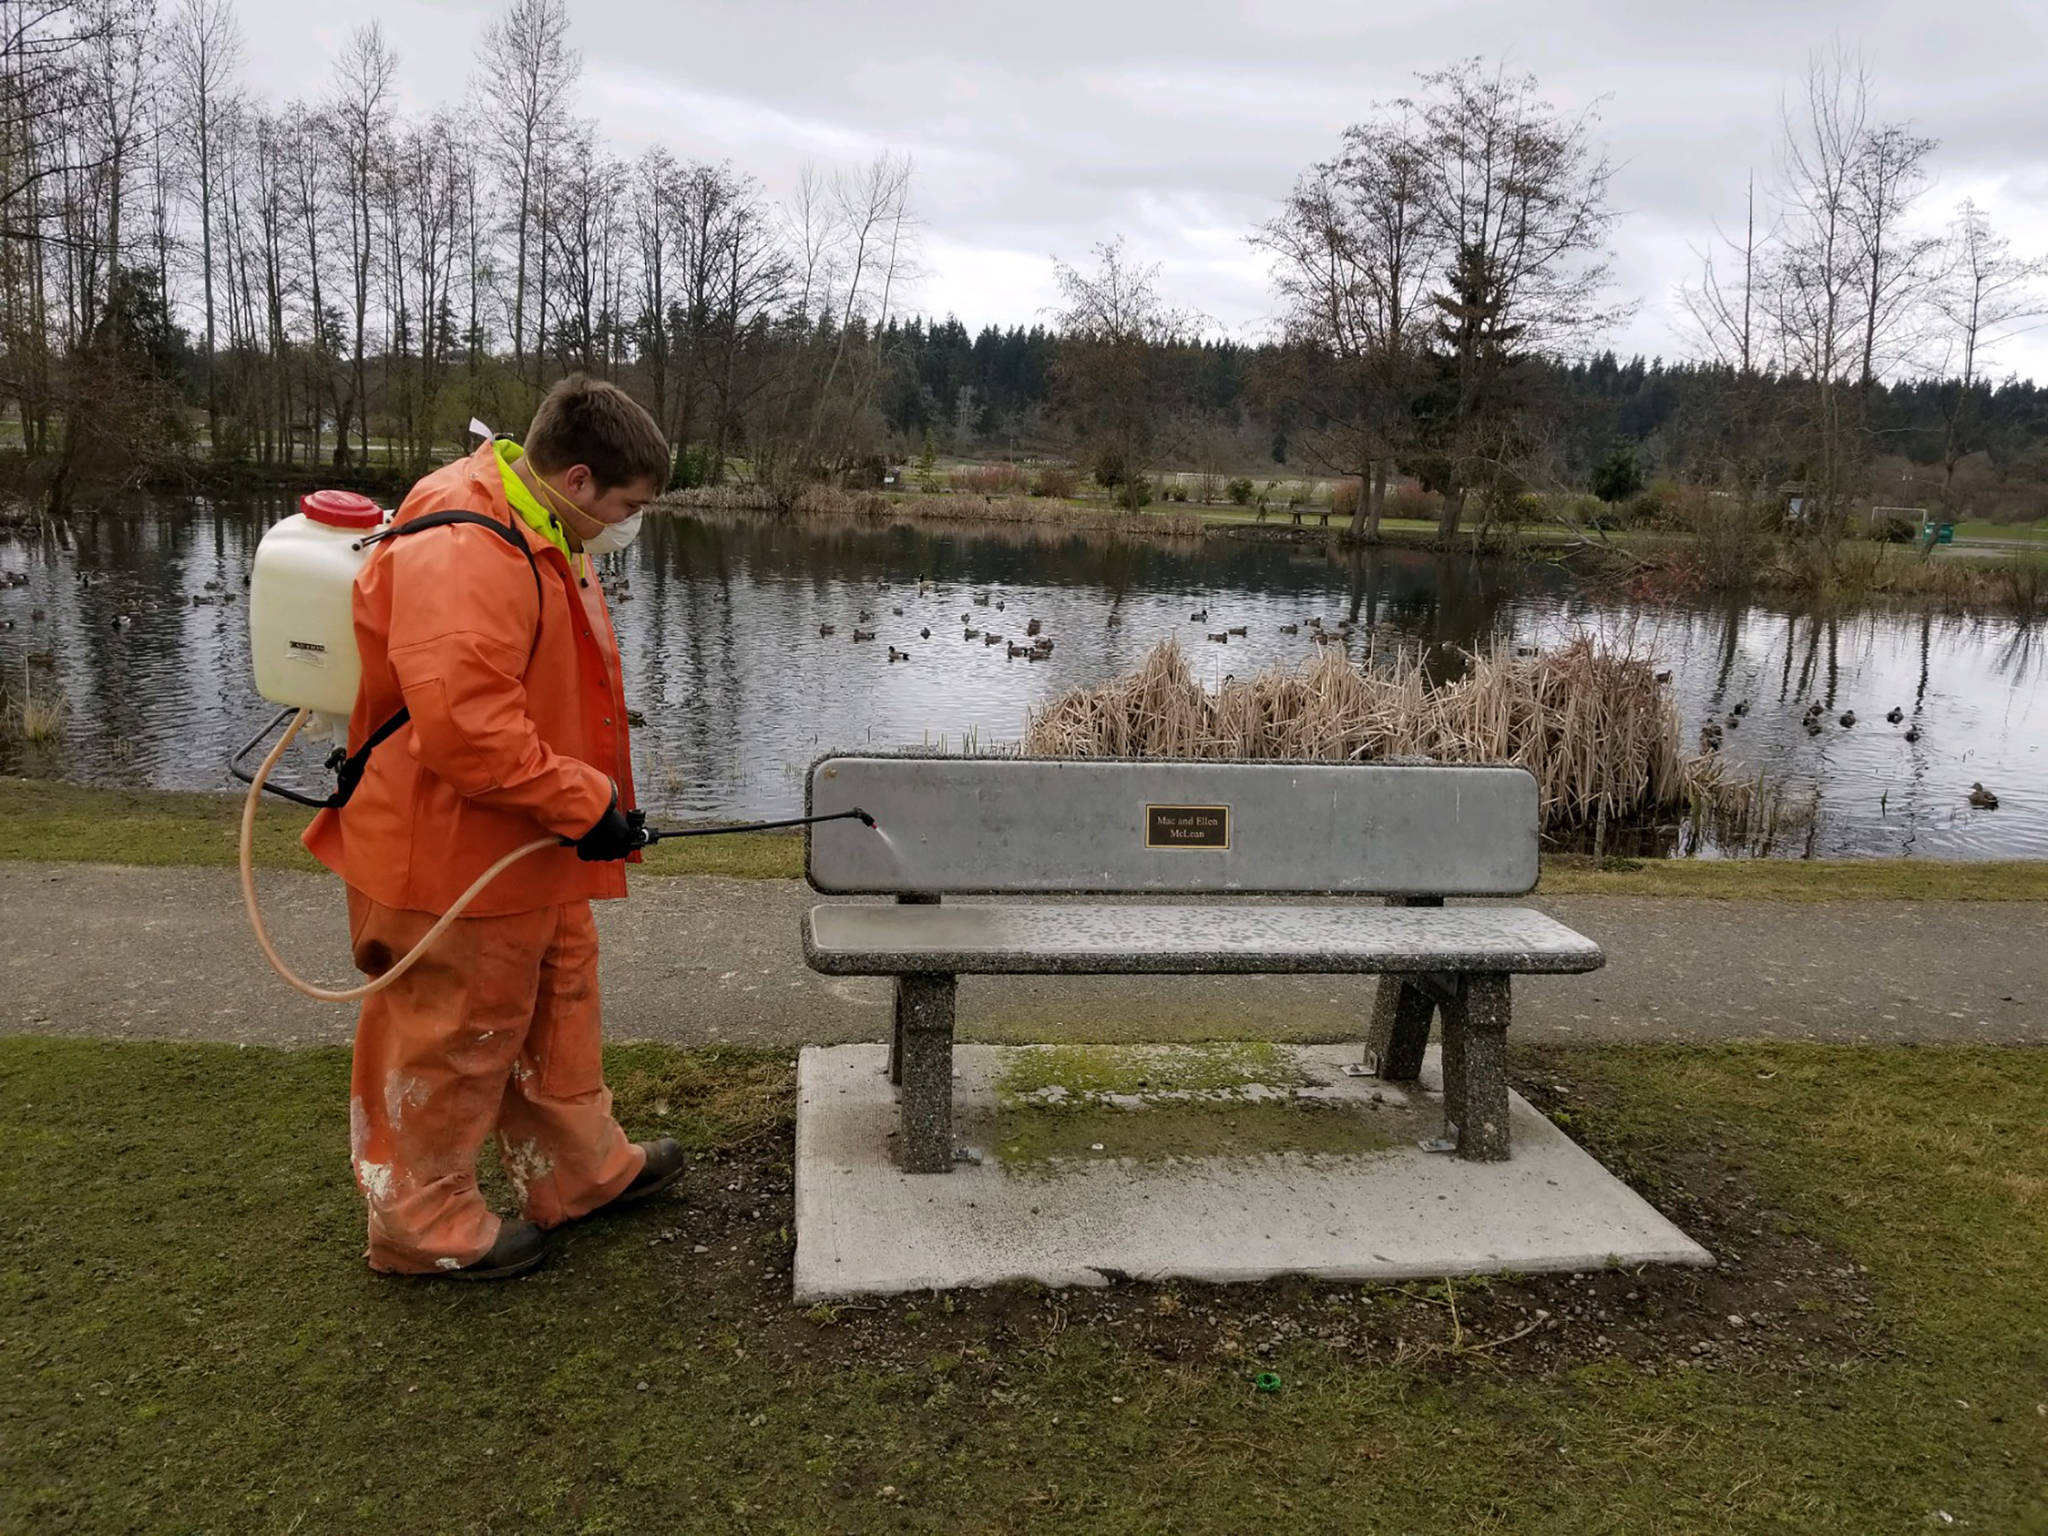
<point x="609" y="539"/>
<point x="613" y="537"/>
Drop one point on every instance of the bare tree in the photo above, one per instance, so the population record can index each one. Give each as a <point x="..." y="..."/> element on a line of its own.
<point x="1355" y="251"/>
<point x="1519" y="199"/>
<point x="1816" y="277"/>
<point x="1109" y="381"/>
<point x="1985" y="296"/>
<point x="362" y="86"/>
<point x="1895" y="268"/>
<point x="204" y="48"/>
<point x="529" y="69"/>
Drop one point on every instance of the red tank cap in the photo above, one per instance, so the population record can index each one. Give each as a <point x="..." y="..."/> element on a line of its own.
<point x="341" y="509"/>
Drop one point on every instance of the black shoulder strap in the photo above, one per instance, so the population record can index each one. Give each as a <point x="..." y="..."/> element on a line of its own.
<point x="446" y="519"/>
<point x="349" y="766"/>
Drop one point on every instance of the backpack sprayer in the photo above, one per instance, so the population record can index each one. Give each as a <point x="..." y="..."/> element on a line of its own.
<point x="302" y="647"/>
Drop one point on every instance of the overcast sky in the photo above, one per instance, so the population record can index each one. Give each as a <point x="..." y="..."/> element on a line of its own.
<point x="1039" y="129"/>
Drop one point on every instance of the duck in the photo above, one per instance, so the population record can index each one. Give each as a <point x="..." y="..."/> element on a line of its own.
<point x="982" y="601"/>
<point x="5" y="625"/>
<point x="1032" y="627"/>
<point x="1015" y="651"/>
<point x="123" y="620"/>
<point x="213" y="586"/>
<point x="1813" y="727"/>
<point x="828" y="629"/>
<point x="1238" y="629"/>
<point x="1290" y="629"/>
<point x="1200" y="617"/>
<point x="865" y="617"/>
<point x="972" y="634"/>
<point x="1912" y="733"/>
<point x="1115" y="618"/>
<point x="1315" y="621"/>
<point x="897" y="610"/>
<point x="999" y="604"/>
<point x="1848" y="718"/>
<point x="635" y="719"/>
<point x="862" y="634"/>
<point x="925" y="633"/>
<point x="1043" y="643"/>
<point x="1526" y="650"/>
<point x="1035" y="654"/>
<point x="991" y="638"/>
<point x="1741" y="708"/>
<point x="1664" y="677"/>
<point x="1735" y="722"/>
<point x="896" y="655"/>
<point x="201" y="600"/>
<point x="965" y="619"/>
<point x="1895" y="715"/>
<point x="1982" y="798"/>
<point x="1221" y="639"/>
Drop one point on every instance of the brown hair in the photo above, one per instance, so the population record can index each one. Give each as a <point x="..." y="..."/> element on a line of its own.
<point x="587" y="421"/>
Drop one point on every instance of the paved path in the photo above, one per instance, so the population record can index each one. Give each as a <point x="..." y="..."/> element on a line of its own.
<point x="166" y="954"/>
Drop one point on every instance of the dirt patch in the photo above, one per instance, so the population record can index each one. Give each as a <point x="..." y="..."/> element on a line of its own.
<point x="1778" y="1300"/>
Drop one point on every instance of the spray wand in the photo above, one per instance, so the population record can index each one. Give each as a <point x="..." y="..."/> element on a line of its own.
<point x="645" y="836"/>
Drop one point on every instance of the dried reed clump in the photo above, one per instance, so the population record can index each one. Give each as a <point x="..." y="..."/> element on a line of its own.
<point x="1592" y="723"/>
<point x="31" y="715"/>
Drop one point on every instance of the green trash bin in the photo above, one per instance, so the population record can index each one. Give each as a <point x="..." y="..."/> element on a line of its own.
<point x="1945" y="533"/>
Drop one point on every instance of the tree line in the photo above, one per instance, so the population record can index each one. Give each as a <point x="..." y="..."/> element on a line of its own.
<point x="330" y="282"/>
<point x="191" y="274"/>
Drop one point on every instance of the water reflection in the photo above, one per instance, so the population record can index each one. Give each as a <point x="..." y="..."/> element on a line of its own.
<point x="740" y="691"/>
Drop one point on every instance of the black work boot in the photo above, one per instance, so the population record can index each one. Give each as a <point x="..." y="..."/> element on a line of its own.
<point x="664" y="1167"/>
<point x="519" y="1248"/>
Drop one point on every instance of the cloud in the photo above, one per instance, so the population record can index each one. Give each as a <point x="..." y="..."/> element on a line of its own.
<point x="1040" y="130"/>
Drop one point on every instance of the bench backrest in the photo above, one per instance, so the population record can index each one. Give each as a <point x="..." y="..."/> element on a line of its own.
<point x="1007" y="824"/>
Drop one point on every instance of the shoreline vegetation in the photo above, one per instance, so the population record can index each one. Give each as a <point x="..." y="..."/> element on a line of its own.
<point x="1649" y="562"/>
<point x="50" y="821"/>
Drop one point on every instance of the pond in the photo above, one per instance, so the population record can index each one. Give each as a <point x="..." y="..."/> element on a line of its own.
<point x="740" y="691"/>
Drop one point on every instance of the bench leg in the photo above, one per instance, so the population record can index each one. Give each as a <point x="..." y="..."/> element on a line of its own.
<point x="1475" y="1069"/>
<point x="1399" y="1034"/>
<point x="1401" y="1012"/>
<point x="925" y="1015"/>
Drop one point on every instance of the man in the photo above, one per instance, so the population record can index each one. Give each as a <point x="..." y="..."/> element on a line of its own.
<point x="504" y="657"/>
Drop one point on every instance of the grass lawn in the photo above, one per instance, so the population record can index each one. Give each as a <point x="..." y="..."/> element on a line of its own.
<point x="51" y="820"/>
<point x="190" y="1342"/>
<point x="1977" y="529"/>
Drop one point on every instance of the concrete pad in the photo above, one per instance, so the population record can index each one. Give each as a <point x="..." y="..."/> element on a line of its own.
<point x="863" y="1227"/>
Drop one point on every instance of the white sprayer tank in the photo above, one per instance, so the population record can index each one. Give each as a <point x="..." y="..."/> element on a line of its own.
<point x="302" y="639"/>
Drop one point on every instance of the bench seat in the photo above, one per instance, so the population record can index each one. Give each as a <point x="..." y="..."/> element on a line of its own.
<point x="842" y="939"/>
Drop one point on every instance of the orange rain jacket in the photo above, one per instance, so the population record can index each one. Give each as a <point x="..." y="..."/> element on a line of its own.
<point x="518" y="713"/>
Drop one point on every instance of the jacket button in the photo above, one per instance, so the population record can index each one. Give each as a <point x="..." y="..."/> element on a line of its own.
<point x="607" y="719"/>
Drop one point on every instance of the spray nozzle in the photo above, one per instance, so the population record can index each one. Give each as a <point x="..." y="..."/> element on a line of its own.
<point x="864" y="818"/>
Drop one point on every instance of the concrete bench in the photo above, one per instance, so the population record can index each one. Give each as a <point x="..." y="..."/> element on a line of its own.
<point x="954" y="826"/>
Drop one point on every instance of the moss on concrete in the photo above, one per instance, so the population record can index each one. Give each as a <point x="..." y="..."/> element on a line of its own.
<point x="1078" y="1072"/>
<point x="1028" y="1137"/>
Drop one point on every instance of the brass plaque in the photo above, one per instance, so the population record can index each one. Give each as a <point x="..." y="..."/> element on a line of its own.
<point x="1187" y="826"/>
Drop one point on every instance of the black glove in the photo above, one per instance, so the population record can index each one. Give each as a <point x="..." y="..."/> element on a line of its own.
<point x="616" y="834"/>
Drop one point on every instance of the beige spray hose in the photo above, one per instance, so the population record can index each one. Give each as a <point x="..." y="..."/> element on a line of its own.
<point x="379" y="983"/>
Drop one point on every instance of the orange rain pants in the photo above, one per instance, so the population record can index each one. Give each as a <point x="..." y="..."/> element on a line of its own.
<point x="496" y="1028"/>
